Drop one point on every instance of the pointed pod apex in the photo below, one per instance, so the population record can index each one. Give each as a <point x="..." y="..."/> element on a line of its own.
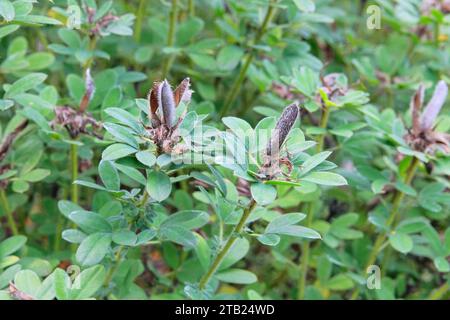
<point x="168" y="104"/>
<point x="282" y="129"/>
<point x="89" y="90"/>
<point x="415" y="106"/>
<point x="433" y="107"/>
<point x="183" y="92"/>
<point x="154" y="100"/>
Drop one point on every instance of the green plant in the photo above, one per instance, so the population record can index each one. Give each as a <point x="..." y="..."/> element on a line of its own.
<point x="302" y="155"/>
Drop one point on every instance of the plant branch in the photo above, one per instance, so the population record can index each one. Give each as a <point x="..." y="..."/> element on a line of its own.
<point x="235" y="88"/>
<point x="9" y="214"/>
<point x="232" y="238"/>
<point x="396" y="203"/>
<point x="304" y="261"/>
<point x="74" y="172"/>
<point x="171" y="37"/>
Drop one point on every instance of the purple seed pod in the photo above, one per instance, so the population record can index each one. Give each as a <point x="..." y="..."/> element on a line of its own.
<point x="433" y="107"/>
<point x="168" y="105"/>
<point x="282" y="129"/>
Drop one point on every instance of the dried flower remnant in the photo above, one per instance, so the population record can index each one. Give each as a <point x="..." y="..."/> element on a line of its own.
<point x="163" y="103"/>
<point x="429" y="5"/>
<point x="16" y="294"/>
<point x="422" y="136"/>
<point x="77" y="121"/>
<point x="272" y="160"/>
<point x="4" y="149"/>
<point x="101" y="24"/>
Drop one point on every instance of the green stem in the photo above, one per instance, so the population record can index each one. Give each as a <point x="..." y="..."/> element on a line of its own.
<point x="113" y="269"/>
<point x="191" y="8"/>
<point x="74" y="172"/>
<point x="439" y="292"/>
<point x="235" y="88"/>
<point x="305" y="257"/>
<point x="396" y="203"/>
<point x="232" y="238"/>
<point x="171" y="37"/>
<point x="323" y="124"/>
<point x="436" y="34"/>
<point x="9" y="214"/>
<point x="139" y="17"/>
<point x="304" y="261"/>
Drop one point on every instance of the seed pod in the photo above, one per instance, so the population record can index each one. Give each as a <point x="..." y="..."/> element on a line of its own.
<point x="168" y="105"/>
<point x="415" y="105"/>
<point x="183" y="92"/>
<point x="282" y="129"/>
<point x="433" y="107"/>
<point x="90" y="89"/>
<point x="154" y="99"/>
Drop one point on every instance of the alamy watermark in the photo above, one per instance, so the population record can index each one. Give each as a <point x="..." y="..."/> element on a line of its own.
<point x="373" y="21"/>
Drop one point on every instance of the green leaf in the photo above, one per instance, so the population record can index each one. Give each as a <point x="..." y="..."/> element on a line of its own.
<point x="306" y="81"/>
<point x="125" y="118"/>
<point x="121" y="134"/>
<point x="93" y="249"/>
<point x="73" y="235"/>
<point x="180" y="235"/>
<point x="37" y="20"/>
<point x="401" y="242"/>
<point x="283" y="221"/>
<point x="109" y="175"/>
<point x="145" y="236"/>
<point x="263" y="194"/>
<point x="269" y="239"/>
<point x="11" y="245"/>
<point x="39" y="60"/>
<point x="62" y="283"/>
<point x="229" y="57"/>
<point x="8" y="275"/>
<point x="441" y="264"/>
<point x="28" y="282"/>
<point x="236" y="253"/>
<point x="132" y="173"/>
<point x="89" y="281"/>
<point x="26" y="83"/>
<point x="305" y="5"/>
<point x="125" y="237"/>
<point x="146" y="157"/>
<point x="158" y="185"/>
<point x="240" y="127"/>
<point x="189" y="219"/>
<point x="314" y="161"/>
<point x="326" y="178"/>
<point x="7" y="10"/>
<point x="4" y="31"/>
<point x="90" y="222"/>
<point x="36" y="175"/>
<point x="203" y="252"/>
<point x="67" y="207"/>
<point x="340" y="282"/>
<point x="117" y="150"/>
<point x="237" y="276"/>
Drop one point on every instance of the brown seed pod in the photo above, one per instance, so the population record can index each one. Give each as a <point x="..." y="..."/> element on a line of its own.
<point x="282" y="129"/>
<point x="154" y="99"/>
<point x="168" y="105"/>
<point x="415" y="105"/>
<point x="90" y="90"/>
<point x="183" y="92"/>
